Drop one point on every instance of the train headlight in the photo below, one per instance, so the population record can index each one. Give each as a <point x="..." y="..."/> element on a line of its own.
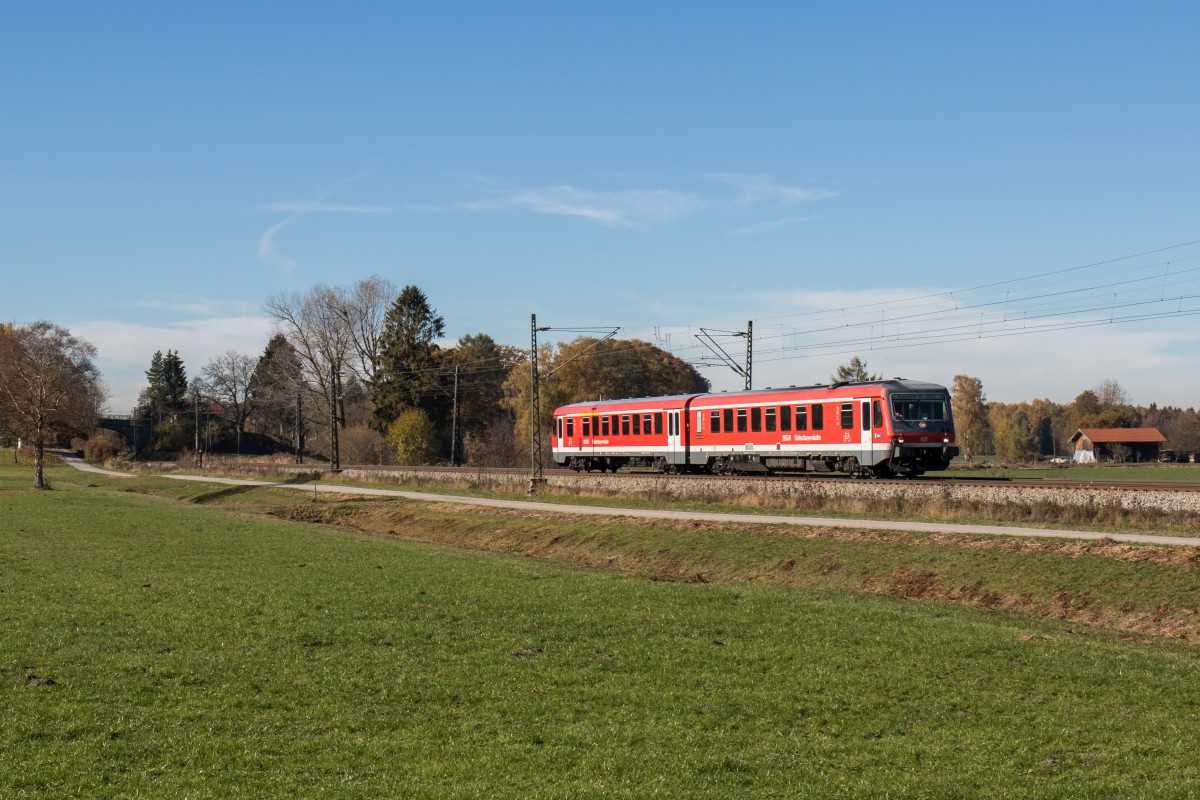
<point x="945" y="440"/>
<point x="900" y="440"/>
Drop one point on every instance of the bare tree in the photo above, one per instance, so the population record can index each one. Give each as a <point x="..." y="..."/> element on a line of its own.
<point x="336" y="330"/>
<point x="49" y="385"/>
<point x="314" y="324"/>
<point x="1111" y="394"/>
<point x="227" y="380"/>
<point x="364" y="310"/>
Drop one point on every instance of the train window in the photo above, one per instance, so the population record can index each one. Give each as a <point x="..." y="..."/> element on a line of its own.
<point x="756" y="419"/>
<point x="714" y="421"/>
<point x="801" y="418"/>
<point x="637" y="424"/>
<point x="771" y="419"/>
<point x="570" y="427"/>
<point x="741" y="416"/>
<point x="818" y="416"/>
<point x="587" y="426"/>
<point x="658" y="424"/>
<point x="699" y="422"/>
<point x="785" y="418"/>
<point x="604" y="426"/>
<point x="728" y="414"/>
<point x="646" y="424"/>
<point x="913" y="407"/>
<point x="625" y="425"/>
<point x="877" y="413"/>
<point x="866" y="416"/>
<point x="847" y="415"/>
<point x="616" y="425"/>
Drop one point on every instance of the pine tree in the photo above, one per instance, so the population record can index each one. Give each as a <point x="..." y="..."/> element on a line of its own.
<point x="273" y="387"/>
<point x="854" y="371"/>
<point x="409" y="372"/>
<point x="168" y="381"/>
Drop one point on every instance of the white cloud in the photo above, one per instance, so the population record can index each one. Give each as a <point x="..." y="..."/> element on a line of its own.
<point x="772" y="224"/>
<point x="800" y="338"/>
<point x="267" y="253"/>
<point x="631" y="207"/>
<point x="125" y="348"/>
<point x="755" y="189"/>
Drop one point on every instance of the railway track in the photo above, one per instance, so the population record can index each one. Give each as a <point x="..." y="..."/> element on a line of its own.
<point x="1098" y="484"/>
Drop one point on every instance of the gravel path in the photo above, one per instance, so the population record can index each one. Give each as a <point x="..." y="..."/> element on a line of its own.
<point x="636" y="513"/>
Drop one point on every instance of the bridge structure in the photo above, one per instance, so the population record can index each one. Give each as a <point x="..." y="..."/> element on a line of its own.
<point x="135" y="431"/>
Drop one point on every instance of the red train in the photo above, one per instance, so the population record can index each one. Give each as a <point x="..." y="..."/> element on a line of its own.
<point x="869" y="429"/>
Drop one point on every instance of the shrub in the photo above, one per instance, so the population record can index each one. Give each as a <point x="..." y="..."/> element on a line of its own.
<point x="101" y="445"/>
<point x="359" y="444"/>
<point x="413" y="438"/>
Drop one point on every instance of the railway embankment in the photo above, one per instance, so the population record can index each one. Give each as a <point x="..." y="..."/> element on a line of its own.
<point x="802" y="492"/>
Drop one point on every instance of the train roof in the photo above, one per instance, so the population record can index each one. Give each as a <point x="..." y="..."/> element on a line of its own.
<point x="895" y="384"/>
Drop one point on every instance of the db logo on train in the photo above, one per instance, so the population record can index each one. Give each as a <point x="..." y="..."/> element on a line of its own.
<point x="846" y="437"/>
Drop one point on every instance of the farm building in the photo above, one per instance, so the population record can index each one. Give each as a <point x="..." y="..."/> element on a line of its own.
<point x="1116" y="444"/>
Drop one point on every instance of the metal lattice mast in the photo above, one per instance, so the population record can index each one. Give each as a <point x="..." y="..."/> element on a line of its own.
<point x="749" y="353"/>
<point x="335" y="461"/>
<point x="536" y="477"/>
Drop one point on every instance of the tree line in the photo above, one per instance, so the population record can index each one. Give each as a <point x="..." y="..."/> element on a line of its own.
<point x="362" y="371"/>
<point x="1037" y="429"/>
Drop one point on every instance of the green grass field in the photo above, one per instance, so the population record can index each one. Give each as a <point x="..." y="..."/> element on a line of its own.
<point x="151" y="647"/>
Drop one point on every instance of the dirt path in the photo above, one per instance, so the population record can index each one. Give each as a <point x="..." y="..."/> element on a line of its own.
<point x="747" y="519"/>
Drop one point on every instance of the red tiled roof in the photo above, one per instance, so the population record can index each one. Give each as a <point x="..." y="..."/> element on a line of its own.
<point x="1125" y="435"/>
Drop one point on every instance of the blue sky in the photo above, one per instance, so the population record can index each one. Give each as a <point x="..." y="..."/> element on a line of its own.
<point x="661" y="167"/>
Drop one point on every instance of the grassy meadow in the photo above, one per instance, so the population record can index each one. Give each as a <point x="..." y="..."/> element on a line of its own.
<point x="160" y="639"/>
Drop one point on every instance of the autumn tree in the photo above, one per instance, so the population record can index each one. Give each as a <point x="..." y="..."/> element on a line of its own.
<point x="1105" y="406"/>
<point x="853" y="371"/>
<point x="591" y="369"/>
<point x="413" y="437"/>
<point x="49" y="386"/>
<point x="973" y="432"/>
<point x="1014" y="441"/>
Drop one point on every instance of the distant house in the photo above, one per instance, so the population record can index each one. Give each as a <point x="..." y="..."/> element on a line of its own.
<point x="1117" y="444"/>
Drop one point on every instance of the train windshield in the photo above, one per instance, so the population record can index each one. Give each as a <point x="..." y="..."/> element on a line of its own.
<point x="919" y="407"/>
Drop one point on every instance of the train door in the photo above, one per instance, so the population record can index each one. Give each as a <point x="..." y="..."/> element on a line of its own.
<point x="674" y="439"/>
<point x="871" y="424"/>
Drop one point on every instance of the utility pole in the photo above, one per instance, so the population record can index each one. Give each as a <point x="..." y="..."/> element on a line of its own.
<point x="706" y="339"/>
<point x="749" y="352"/>
<point x="299" y="428"/>
<point x="199" y="456"/>
<point x="454" y="423"/>
<point x="537" y="480"/>
<point x="335" y="462"/>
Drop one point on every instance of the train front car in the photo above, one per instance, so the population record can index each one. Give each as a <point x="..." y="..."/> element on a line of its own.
<point x="922" y="427"/>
